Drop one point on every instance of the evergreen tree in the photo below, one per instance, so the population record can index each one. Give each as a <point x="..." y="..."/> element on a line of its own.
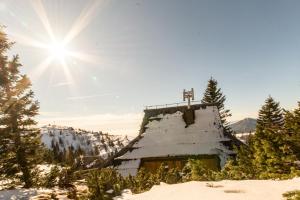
<point x="241" y="167"/>
<point x="270" y="152"/>
<point x="19" y="141"/>
<point x="292" y="129"/>
<point x="105" y="184"/>
<point x="144" y="180"/>
<point x="214" y="95"/>
<point x="51" y="179"/>
<point x="69" y="156"/>
<point x="272" y="155"/>
<point x="270" y="116"/>
<point x="161" y="173"/>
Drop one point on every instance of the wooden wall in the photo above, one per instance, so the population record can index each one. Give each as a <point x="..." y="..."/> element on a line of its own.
<point x="152" y="164"/>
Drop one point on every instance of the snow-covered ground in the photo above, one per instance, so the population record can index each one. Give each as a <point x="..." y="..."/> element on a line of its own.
<point x="17" y="194"/>
<point x="194" y="190"/>
<point x="243" y="136"/>
<point x="40" y="193"/>
<point x="224" y="190"/>
<point x="35" y="193"/>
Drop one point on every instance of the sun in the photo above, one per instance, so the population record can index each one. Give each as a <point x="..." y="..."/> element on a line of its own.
<point x="55" y="46"/>
<point x="58" y="51"/>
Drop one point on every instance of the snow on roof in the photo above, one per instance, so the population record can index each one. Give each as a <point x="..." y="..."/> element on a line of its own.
<point x="169" y="136"/>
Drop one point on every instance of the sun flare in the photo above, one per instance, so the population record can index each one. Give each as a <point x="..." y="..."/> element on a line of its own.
<point x="58" y="51"/>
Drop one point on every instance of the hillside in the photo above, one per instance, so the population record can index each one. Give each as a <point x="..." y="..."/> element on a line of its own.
<point x="63" y="140"/>
<point x="246" y="125"/>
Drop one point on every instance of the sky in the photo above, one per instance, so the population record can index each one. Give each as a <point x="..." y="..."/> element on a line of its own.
<point x="96" y="64"/>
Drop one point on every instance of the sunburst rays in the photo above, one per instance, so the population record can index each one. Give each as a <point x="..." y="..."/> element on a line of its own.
<point x="82" y="21"/>
<point x="42" y="14"/>
<point x="57" y="49"/>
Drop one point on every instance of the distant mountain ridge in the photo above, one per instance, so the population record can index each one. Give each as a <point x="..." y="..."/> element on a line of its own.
<point x="96" y="145"/>
<point x="246" y="125"/>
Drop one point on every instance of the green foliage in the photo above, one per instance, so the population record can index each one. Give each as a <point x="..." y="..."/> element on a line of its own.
<point x="273" y="157"/>
<point x="271" y="151"/>
<point x="292" y="195"/>
<point x="173" y="176"/>
<point x="53" y="196"/>
<point x="144" y="181"/>
<point x="292" y="129"/>
<point x="270" y="115"/>
<point x="47" y="155"/>
<point x="214" y="95"/>
<point x="19" y="140"/>
<point x="72" y="193"/>
<point x="197" y="170"/>
<point x="66" y="178"/>
<point x="105" y="184"/>
<point x="51" y="178"/>
<point x="239" y="168"/>
<point x="161" y="174"/>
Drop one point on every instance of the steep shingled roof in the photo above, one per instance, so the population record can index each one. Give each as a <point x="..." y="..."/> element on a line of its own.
<point x="177" y="131"/>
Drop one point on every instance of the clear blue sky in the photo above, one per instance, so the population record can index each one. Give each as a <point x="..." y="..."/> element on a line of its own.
<point x="139" y="52"/>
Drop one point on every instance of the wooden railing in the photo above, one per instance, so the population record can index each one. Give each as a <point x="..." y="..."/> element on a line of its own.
<point x="170" y="105"/>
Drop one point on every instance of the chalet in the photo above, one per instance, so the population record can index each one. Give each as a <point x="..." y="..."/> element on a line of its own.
<point x="173" y="135"/>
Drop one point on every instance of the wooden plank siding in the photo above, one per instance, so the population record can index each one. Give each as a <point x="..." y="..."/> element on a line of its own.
<point x="152" y="164"/>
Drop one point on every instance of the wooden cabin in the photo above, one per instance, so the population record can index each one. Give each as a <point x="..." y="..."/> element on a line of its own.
<point x="172" y="135"/>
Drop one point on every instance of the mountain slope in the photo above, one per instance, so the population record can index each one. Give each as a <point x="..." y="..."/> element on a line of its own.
<point x="246" y="125"/>
<point x="77" y="142"/>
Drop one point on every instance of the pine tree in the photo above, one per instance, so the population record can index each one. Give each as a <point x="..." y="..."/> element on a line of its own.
<point x="144" y="181"/>
<point x="270" y="116"/>
<point x="51" y="178"/>
<point x="19" y="140"/>
<point x="241" y="167"/>
<point x="214" y="95"/>
<point x="70" y="156"/>
<point x="105" y="184"/>
<point x="292" y="129"/>
<point x="272" y="155"/>
<point x="161" y="173"/>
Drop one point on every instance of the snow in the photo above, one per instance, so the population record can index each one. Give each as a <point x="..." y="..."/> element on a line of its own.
<point x="169" y="136"/>
<point x="215" y="190"/>
<point x="40" y="193"/>
<point x="243" y="136"/>
<point x="22" y="194"/>
<point x="68" y="137"/>
<point x="45" y="168"/>
<point x="33" y="194"/>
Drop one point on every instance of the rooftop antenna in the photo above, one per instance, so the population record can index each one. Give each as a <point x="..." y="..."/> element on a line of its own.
<point x="188" y="95"/>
